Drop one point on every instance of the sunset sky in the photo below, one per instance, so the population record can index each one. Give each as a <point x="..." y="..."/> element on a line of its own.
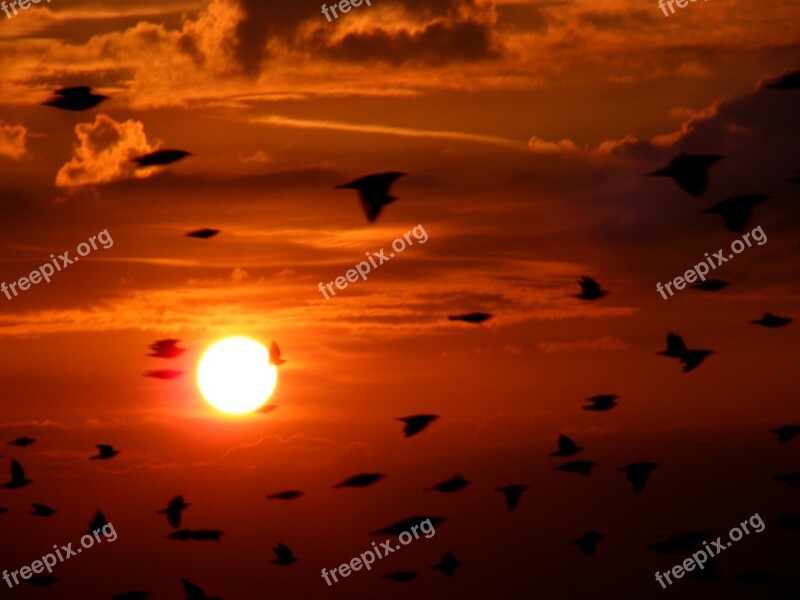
<point x="526" y="130"/>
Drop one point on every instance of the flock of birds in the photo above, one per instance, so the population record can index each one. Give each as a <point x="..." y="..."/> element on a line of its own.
<point x="691" y="174"/>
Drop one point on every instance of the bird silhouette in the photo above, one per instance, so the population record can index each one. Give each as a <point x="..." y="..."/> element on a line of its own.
<point x="566" y="446"/>
<point x="284" y="555"/>
<point x="584" y="467"/>
<point x="287" y="495"/>
<point x="676" y="348"/>
<point x="361" y="480"/>
<point x="407" y="524"/>
<point x="790" y="478"/>
<point x="202" y="234"/>
<point x="601" y="402"/>
<point x="710" y="285"/>
<point x="106" y="452"/>
<point x="690" y="171"/>
<point x="400" y="576"/>
<point x="772" y="321"/>
<point x="754" y="578"/>
<point x="789" y="522"/>
<point x="166" y="374"/>
<point x="41" y="510"/>
<point x="448" y="564"/>
<point x="3" y="510"/>
<point x="587" y="543"/>
<point x="173" y="511"/>
<point x="18" y="479"/>
<point x="22" y="442"/>
<point x="590" y="289"/>
<point x="373" y="190"/>
<point x="166" y="349"/>
<point x="451" y="485"/>
<point x="42" y="580"/>
<point x="98" y="522"/>
<point x="134" y="595"/>
<point x="512" y="493"/>
<point x="680" y="543"/>
<point x="786" y="433"/>
<point x="790" y="81"/>
<point x="474" y="318"/>
<point x="75" y="98"/>
<point x="160" y="158"/>
<point x="735" y="212"/>
<point x="416" y="423"/>
<point x="199" y="535"/>
<point x="275" y="355"/>
<point x="638" y="473"/>
<point x="193" y="592"/>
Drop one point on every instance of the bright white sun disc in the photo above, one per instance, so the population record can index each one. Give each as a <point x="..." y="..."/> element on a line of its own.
<point x="235" y="376"/>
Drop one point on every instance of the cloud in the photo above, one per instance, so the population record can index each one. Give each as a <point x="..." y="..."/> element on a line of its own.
<point x="605" y="343"/>
<point x="12" y="140"/>
<point x="104" y="152"/>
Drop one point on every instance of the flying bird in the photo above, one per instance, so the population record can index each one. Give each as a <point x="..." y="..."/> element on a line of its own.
<point x="566" y="447"/>
<point x="287" y="495"/>
<point x="195" y="593"/>
<point x="75" y="98"/>
<point x="587" y="543"/>
<point x="735" y="212"/>
<point x="407" y="524"/>
<point x="362" y="480"/>
<point x="680" y="543"/>
<point x="786" y="433"/>
<point x="790" y="478"/>
<point x="275" y="355"/>
<point x="448" y="564"/>
<point x="134" y="595"/>
<point x="755" y="578"/>
<point x="690" y="171"/>
<point x="3" y="510"/>
<point x="584" y="467"/>
<point x="676" y="348"/>
<point x="42" y="580"/>
<point x="790" y="81"/>
<point x="18" y="479"/>
<point x="373" y="191"/>
<point x="173" y="511"/>
<point x="474" y="318"/>
<point x="600" y="403"/>
<point x="22" y="442"/>
<point x="284" y="555"/>
<point x="166" y="349"/>
<point x="202" y="234"/>
<point x="710" y="285"/>
<point x="451" y="485"/>
<point x="106" y="452"/>
<point x="772" y="321"/>
<point x="98" y="522"/>
<point x="590" y="289"/>
<point x="416" y="423"/>
<point x="199" y="535"/>
<point x="167" y="374"/>
<point x="400" y="576"/>
<point x="512" y="493"/>
<point x="160" y="157"/>
<point x="789" y="522"/>
<point x="638" y="474"/>
<point x="41" y="510"/>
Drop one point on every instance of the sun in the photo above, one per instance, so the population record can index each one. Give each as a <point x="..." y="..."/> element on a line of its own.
<point x="235" y="376"/>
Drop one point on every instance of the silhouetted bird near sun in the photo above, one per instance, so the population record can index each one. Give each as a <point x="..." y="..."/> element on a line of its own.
<point x="193" y="592"/>
<point x="772" y="321"/>
<point x="407" y="524"/>
<point x="287" y="495"/>
<point x="676" y="348"/>
<point x="202" y="234"/>
<point x="373" y="190"/>
<point x="680" y="543"/>
<point x="173" y="511"/>
<point x="690" y="171"/>
<point x="361" y="480"/>
<point x="513" y="493"/>
<point x="638" y="473"/>
<point x="710" y="285"/>
<point x="448" y="564"/>
<point x="166" y="349"/>
<point x="165" y="374"/>
<point x="587" y="543"/>
<point x="22" y="442"/>
<point x="790" y="81"/>
<point x="451" y="485"/>
<point x="134" y="595"/>
<point x="160" y="158"/>
<point x="786" y="433"/>
<point x="198" y="535"/>
<point x="416" y="423"/>
<point x="18" y="479"/>
<point x="98" y="522"/>
<point x="41" y="510"/>
<point x="75" y="99"/>
<point x="590" y="289"/>
<point x="584" y="467"/>
<point x="474" y="318"/>
<point x="566" y="446"/>
<point x="601" y="402"/>
<point x="284" y="555"/>
<point x="275" y="355"/>
<point x="735" y="212"/>
<point x="401" y="576"/>
<point x="106" y="452"/>
<point x="790" y="478"/>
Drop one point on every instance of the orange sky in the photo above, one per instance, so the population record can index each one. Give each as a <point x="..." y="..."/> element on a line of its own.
<point x="525" y="129"/>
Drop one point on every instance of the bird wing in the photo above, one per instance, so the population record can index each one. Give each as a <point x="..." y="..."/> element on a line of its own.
<point x="192" y="591"/>
<point x="17" y="472"/>
<point x="589" y="285"/>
